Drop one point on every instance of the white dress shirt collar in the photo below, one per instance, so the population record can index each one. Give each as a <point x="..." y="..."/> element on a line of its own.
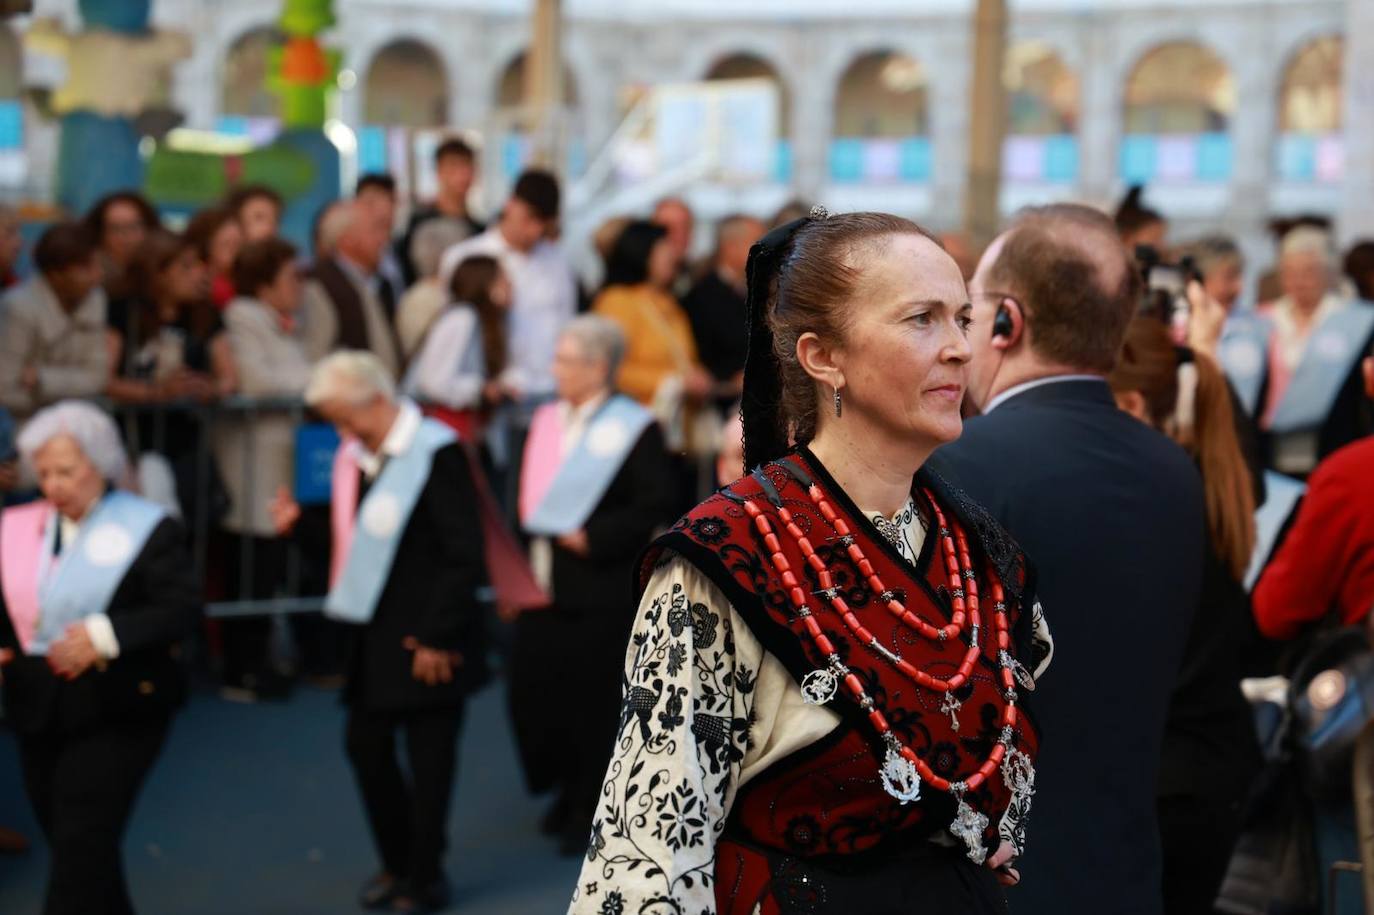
<point x="1022" y="388"/>
<point x="397" y="442"/>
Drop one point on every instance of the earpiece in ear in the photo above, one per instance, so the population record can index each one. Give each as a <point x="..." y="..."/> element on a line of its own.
<point x="1002" y="323"/>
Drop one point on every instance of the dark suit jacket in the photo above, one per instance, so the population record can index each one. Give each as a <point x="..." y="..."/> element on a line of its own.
<point x="1111" y="514"/>
<point x="156" y="606"/>
<point x="430" y="594"/>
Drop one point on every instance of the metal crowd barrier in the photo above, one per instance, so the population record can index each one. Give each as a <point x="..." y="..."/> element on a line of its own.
<point x="146" y="429"/>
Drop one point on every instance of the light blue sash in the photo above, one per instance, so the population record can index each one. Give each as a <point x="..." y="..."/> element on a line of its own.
<point x="382" y="518"/>
<point x="90" y="570"/>
<point x="1332" y="351"/>
<point x="586" y="473"/>
<point x="1244" y="355"/>
<point x="1281" y="496"/>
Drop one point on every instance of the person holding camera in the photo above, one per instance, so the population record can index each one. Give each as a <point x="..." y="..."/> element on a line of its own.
<point x="1110" y="513"/>
<point x="1211" y="752"/>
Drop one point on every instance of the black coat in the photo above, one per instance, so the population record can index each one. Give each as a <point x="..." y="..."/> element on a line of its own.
<point x="431" y="595"/>
<point x="156" y="606"/>
<point x="1111" y="514"/>
<point x="720" y="324"/>
<point x="578" y="645"/>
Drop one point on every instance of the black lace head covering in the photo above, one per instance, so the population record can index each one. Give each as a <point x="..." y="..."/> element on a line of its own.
<point x="765" y="430"/>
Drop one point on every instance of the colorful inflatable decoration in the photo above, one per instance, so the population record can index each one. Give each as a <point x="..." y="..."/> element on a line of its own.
<point x="116" y="69"/>
<point x="304" y="72"/>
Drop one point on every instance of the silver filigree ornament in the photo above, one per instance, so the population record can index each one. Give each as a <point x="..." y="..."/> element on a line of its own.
<point x="968" y="826"/>
<point x="819" y="212"/>
<point x="900" y="778"/>
<point x="1019" y="775"/>
<point x="1018" y="670"/>
<point x="818" y="687"/>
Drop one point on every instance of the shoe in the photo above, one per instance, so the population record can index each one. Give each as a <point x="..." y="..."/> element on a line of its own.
<point x="378" y="893"/>
<point x="250" y="688"/>
<point x="424" y="900"/>
<point x="12" y="842"/>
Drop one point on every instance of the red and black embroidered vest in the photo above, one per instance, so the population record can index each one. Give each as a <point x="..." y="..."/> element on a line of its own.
<point x="827" y="798"/>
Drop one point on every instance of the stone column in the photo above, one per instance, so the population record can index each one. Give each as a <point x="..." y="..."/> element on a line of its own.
<point x="1356" y="219"/>
<point x="544" y="82"/>
<point x="987" y="123"/>
<point x="1099" y="131"/>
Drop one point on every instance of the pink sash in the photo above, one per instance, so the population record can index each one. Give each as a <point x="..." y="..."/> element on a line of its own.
<point x="507" y="568"/>
<point x="21" y="553"/>
<point x="343" y="505"/>
<point x="543" y="457"/>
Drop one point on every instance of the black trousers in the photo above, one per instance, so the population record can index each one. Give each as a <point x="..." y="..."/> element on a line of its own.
<point x="408" y="816"/>
<point x="1197" y="836"/>
<point x="82" y="788"/>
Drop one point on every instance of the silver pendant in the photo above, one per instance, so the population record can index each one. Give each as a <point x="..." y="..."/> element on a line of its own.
<point x="1019" y="774"/>
<point x="818" y="687"/>
<point x="1018" y="670"/>
<point x="900" y="778"/>
<point x="950" y="706"/>
<point x="968" y="825"/>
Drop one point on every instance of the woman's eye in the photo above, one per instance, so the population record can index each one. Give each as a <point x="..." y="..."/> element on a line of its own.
<point x="921" y="319"/>
<point x="965" y="322"/>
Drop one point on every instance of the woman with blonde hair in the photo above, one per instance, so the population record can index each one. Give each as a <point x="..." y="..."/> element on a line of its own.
<point x="1210" y="749"/>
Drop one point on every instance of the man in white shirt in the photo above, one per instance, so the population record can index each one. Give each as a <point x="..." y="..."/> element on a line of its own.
<point x="543" y="288"/>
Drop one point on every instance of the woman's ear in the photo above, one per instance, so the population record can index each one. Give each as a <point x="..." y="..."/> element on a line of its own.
<point x="818" y="360"/>
<point x="1133" y="402"/>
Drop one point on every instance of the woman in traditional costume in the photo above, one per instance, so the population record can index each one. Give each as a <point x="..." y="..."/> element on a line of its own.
<point x="824" y="701"/>
<point x="98" y="591"/>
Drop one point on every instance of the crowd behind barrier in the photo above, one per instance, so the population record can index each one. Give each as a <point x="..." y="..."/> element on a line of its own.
<point x="201" y="346"/>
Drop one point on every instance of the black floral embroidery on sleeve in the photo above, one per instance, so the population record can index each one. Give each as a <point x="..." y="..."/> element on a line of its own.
<point x="684" y="728"/>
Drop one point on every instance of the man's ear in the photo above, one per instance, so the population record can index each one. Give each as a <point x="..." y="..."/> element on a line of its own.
<point x="818" y="360"/>
<point x="1009" y="325"/>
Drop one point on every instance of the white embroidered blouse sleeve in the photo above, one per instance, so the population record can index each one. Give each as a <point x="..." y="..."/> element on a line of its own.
<point x="691" y="669"/>
<point x="437" y="375"/>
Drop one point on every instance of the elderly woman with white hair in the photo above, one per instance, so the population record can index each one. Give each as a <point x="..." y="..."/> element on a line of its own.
<point x="97" y="593"/>
<point x="1295" y="364"/>
<point x="423" y="302"/>
<point x="594" y="486"/>
<point x="407" y="562"/>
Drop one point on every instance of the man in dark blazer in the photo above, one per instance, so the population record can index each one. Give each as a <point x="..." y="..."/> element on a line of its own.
<point x="585" y="549"/>
<point x="1111" y="515"/>
<point x="407" y="565"/>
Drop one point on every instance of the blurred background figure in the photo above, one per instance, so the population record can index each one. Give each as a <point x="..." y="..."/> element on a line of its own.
<point x="1211" y="752"/>
<point x="53" y="326"/>
<point x="423" y="301"/>
<point x="258" y="209"/>
<point x="347" y="304"/>
<point x="591" y="497"/>
<point x="457" y="373"/>
<point x="255" y="452"/>
<point x="11" y="247"/>
<point x="376" y="194"/>
<point x="98" y="592"/>
<point x="455" y="172"/>
<point x="1138" y="224"/>
<point x="118" y="223"/>
<point x="679" y="225"/>
<point x="217" y="237"/>
<point x="716" y="307"/>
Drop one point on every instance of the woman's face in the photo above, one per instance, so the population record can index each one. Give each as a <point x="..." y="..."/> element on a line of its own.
<point x="259" y="218"/>
<point x="183" y="280"/>
<point x="663" y="263"/>
<point x="124" y="231"/>
<point x="284" y="295"/>
<point x="67" y="477"/>
<point x="1224" y="283"/>
<point x="905" y="351"/>
<point x="224" y="247"/>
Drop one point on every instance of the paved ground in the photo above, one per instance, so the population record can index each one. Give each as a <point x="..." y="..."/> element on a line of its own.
<point x="252" y="811"/>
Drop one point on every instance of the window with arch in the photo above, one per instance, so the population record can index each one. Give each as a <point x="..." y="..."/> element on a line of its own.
<point x="1311" y="97"/>
<point x="1178" y="104"/>
<point x="1042" y="115"/>
<point x="750" y="66"/>
<point x="515" y="145"/>
<point x="245" y="95"/>
<point x="406" y="86"/>
<point x="882" y="120"/>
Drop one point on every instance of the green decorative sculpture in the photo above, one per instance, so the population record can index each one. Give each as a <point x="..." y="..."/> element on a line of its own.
<point x="304" y="71"/>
